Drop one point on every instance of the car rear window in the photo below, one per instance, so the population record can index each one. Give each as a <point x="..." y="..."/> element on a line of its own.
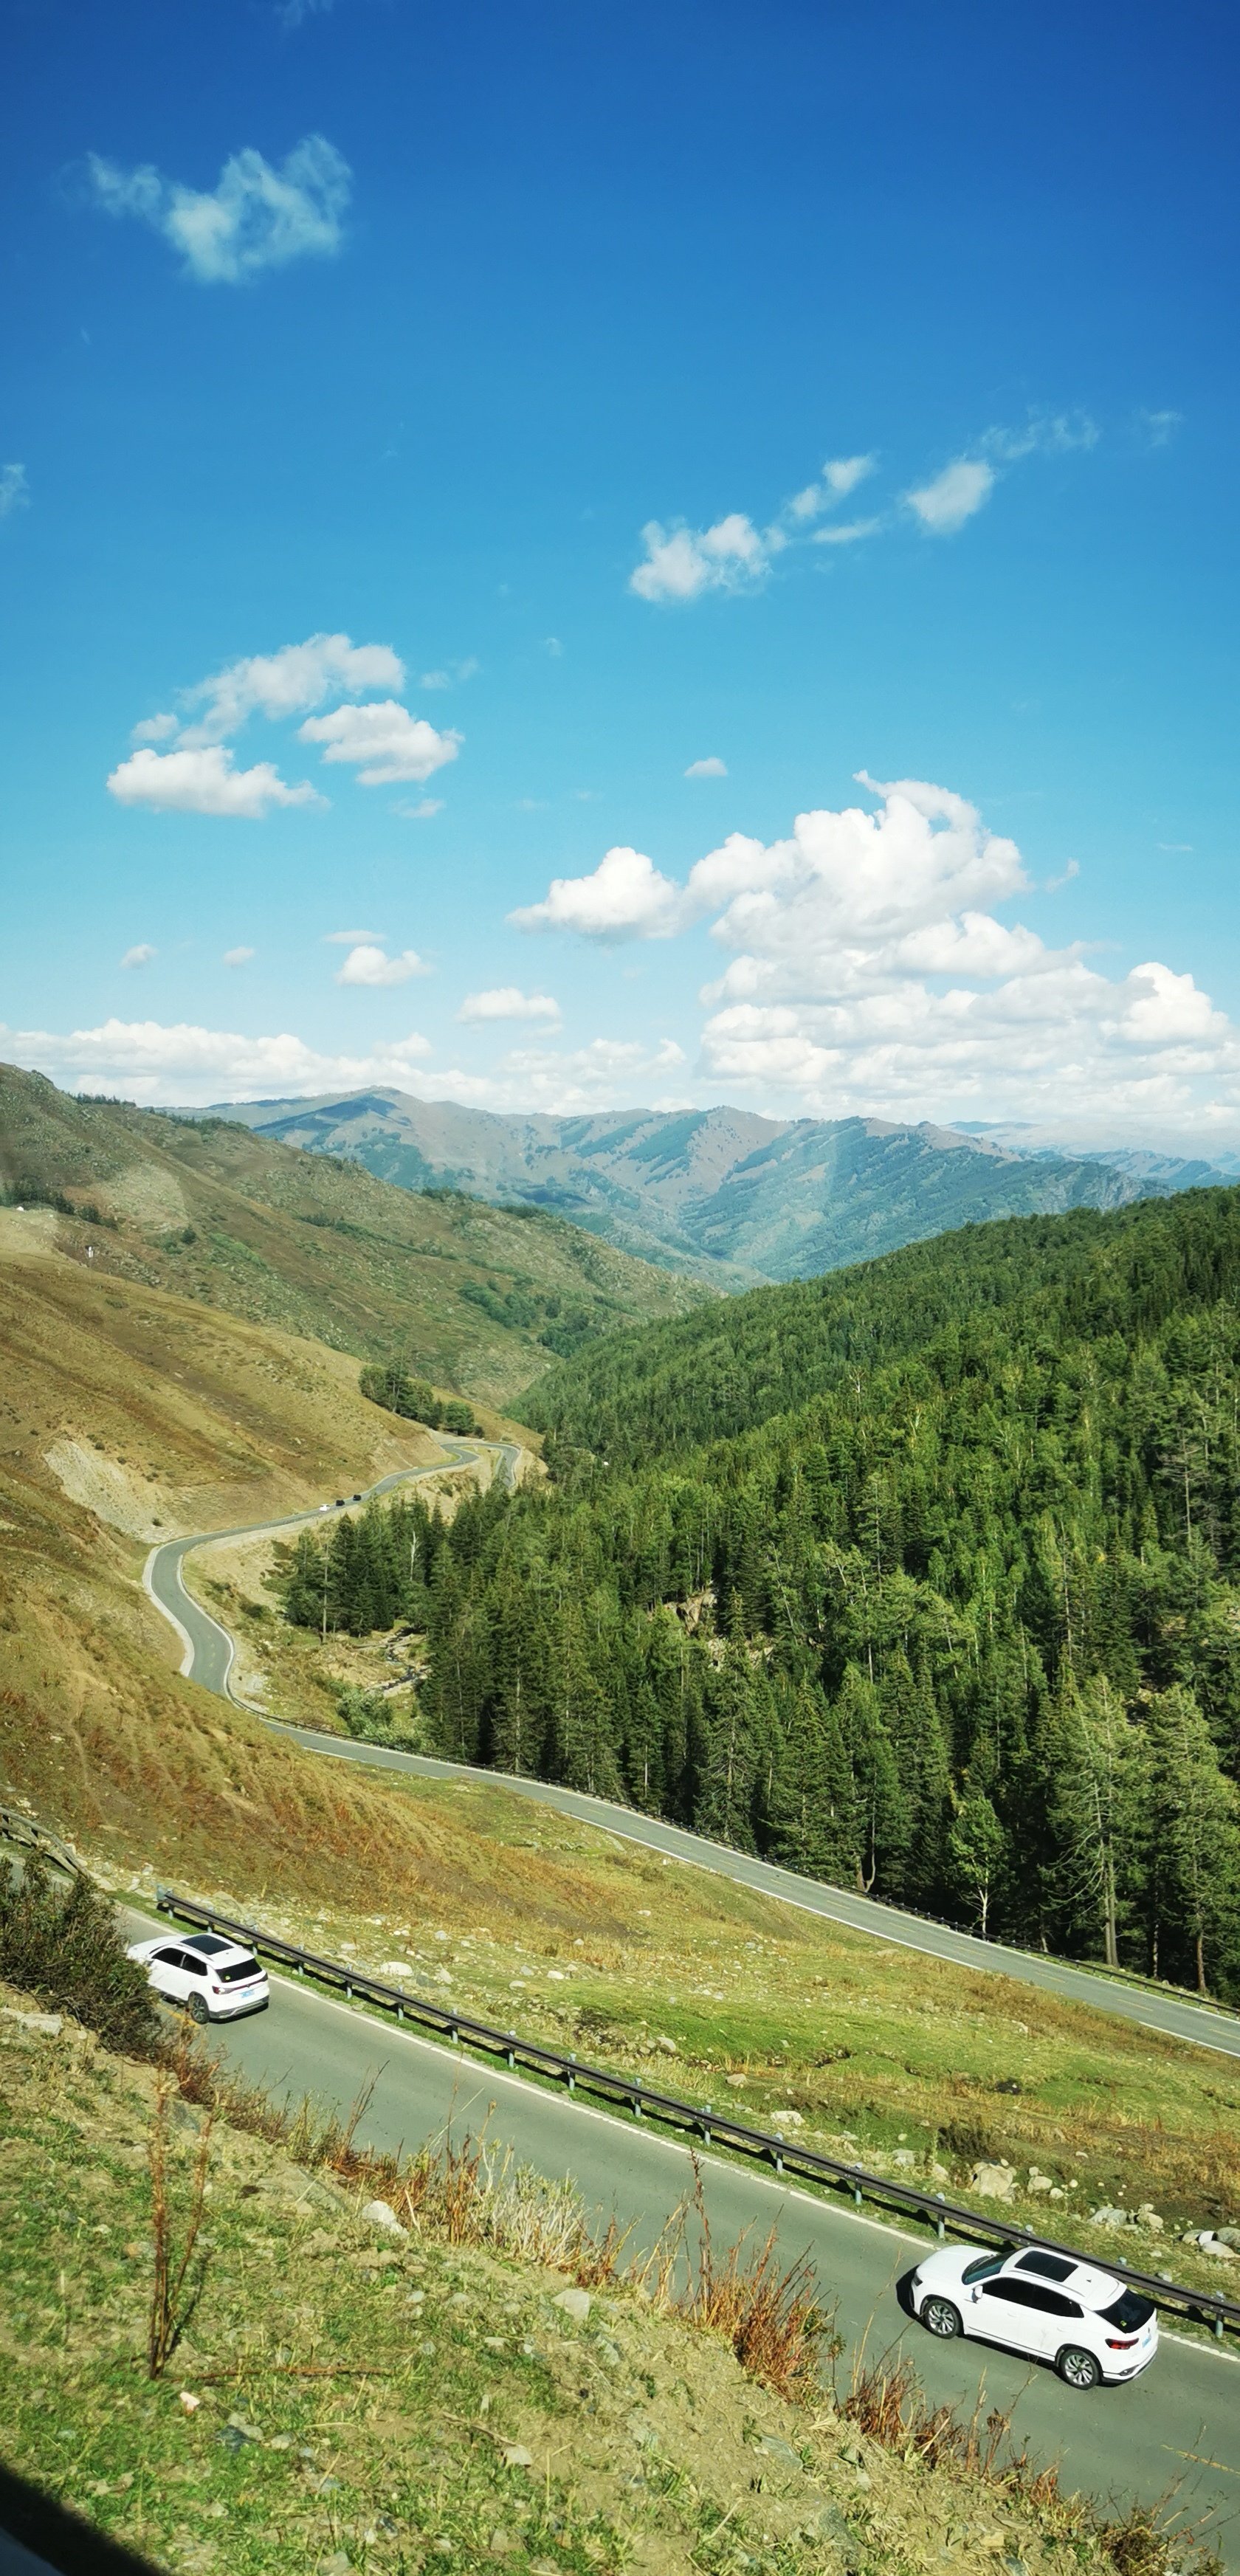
<point x="1129" y="2311"/>
<point x="238" y="1971"/>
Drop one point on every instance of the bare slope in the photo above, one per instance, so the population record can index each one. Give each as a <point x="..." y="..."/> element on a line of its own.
<point x="475" y="1297"/>
<point x="722" y="1193"/>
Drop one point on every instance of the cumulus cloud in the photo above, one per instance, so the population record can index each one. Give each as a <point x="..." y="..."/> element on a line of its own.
<point x="871" y="965"/>
<point x="386" y="743"/>
<point x="624" y="898"/>
<point x="140" y="956"/>
<point x="279" y="685"/>
<point x="196" y="773"/>
<point x="963" y="488"/>
<point x="840" y="476"/>
<point x="368" y="964"/>
<point x="237" y="956"/>
<point x="712" y="768"/>
<point x="353" y="938"/>
<point x="508" y="1002"/>
<point x="255" y="217"/>
<point x="680" y="563"/>
<point x="14" y="489"/>
<point x="203" y="782"/>
<point x="151" y="1062"/>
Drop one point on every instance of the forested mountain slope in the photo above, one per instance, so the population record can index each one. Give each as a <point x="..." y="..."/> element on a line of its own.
<point x="723" y="1193"/>
<point x="471" y="1296"/>
<point x="952" y="1610"/>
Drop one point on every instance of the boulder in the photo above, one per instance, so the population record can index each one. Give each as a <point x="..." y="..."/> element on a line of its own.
<point x="993" y="2182"/>
<point x="573" y="2303"/>
<point x="1108" y="2216"/>
<point x="377" y="2213"/>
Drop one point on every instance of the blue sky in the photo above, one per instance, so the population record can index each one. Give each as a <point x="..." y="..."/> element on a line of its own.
<point x="430" y="437"/>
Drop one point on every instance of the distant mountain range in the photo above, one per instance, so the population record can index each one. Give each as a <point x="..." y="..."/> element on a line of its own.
<point x="719" y="1193"/>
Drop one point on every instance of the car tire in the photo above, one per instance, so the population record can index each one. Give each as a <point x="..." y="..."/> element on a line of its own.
<point x="1080" y="2369"/>
<point x="198" y="2009"/>
<point x="940" y="2318"/>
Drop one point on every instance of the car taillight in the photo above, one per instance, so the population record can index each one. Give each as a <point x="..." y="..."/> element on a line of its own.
<point x="1121" y="2343"/>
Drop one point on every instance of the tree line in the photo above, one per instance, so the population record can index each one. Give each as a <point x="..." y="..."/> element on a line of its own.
<point x="961" y="1626"/>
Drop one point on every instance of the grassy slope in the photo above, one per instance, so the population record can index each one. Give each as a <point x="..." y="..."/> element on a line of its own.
<point x="451" y="2413"/>
<point x="315" y="1245"/>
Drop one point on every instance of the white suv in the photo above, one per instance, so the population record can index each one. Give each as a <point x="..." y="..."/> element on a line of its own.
<point x="1083" y="2321"/>
<point x="215" y="1979"/>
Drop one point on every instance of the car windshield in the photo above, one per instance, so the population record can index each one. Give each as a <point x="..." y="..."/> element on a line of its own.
<point x="237" y="1970"/>
<point x="1129" y="2311"/>
<point x="983" y="2266"/>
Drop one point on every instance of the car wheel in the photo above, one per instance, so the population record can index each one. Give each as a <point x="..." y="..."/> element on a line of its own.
<point x="1080" y="2369"/>
<point x="198" y="2009"/>
<point x="939" y="2317"/>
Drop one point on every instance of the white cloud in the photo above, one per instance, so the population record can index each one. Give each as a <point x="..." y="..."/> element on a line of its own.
<point x="423" y="812"/>
<point x="237" y="956"/>
<point x="846" y="532"/>
<point x="370" y="965"/>
<point x="508" y="1002"/>
<point x="1160" y="426"/>
<point x="155" y="729"/>
<point x="286" y="683"/>
<point x="954" y="495"/>
<point x="842" y="474"/>
<point x="712" y="768"/>
<point x="14" y="489"/>
<point x="680" y="563"/>
<point x="624" y="898"/>
<point x="553" y="646"/>
<point x="451" y="676"/>
<point x="203" y="782"/>
<point x="353" y="938"/>
<point x="140" y="956"/>
<point x="255" y="217"/>
<point x="386" y="742"/>
<point x="149" y="1061"/>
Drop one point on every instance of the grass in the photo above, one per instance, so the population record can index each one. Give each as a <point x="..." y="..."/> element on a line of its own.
<point x="343" y="2397"/>
<point x="870" y="2052"/>
<point x="462" y="1292"/>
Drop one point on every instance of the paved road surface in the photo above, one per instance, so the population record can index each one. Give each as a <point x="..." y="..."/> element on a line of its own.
<point x="1177" y="2428"/>
<point x="208" y="1657"/>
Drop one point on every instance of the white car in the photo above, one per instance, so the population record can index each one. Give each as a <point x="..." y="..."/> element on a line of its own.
<point x="215" y="1979"/>
<point x="1081" y="2320"/>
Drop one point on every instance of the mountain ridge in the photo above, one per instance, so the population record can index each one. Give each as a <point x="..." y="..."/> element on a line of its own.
<point x="722" y="1194"/>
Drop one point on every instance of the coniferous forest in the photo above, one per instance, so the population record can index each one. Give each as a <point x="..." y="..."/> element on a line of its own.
<point x="923" y="1577"/>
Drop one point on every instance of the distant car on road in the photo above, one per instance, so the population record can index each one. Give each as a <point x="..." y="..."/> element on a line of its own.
<point x="214" y="1979"/>
<point x="1082" y="2320"/>
<point x="357" y="1498"/>
<point x="325" y="1507"/>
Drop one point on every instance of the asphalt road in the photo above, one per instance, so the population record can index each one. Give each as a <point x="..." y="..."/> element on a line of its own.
<point x="209" y="1650"/>
<point x="208" y="1659"/>
<point x="1176" y="2429"/>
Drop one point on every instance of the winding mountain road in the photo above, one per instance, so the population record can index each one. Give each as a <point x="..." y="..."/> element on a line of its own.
<point x="208" y="1658"/>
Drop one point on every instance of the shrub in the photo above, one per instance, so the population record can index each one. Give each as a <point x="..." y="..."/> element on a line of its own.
<point x="372" y="1719"/>
<point x="64" y="1945"/>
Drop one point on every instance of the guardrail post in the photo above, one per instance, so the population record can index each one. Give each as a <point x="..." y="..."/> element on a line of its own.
<point x="572" y="2060"/>
<point x="857" y="2195"/>
<point x="940" y="2226"/>
<point x="1218" y="2329"/>
<point x="779" y="2162"/>
<point x="348" y="1987"/>
<point x="704" y="2124"/>
<point x="510" y="2052"/>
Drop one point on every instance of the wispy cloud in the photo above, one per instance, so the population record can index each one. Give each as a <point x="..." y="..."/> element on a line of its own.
<point x="1160" y="426"/>
<point x="255" y="217"/>
<point x="353" y="938"/>
<point x="957" y="494"/>
<point x="142" y="955"/>
<point x="846" y="532"/>
<point x="14" y="489"/>
<point x="452" y="675"/>
<point x="237" y="956"/>
<point x="712" y="768"/>
<point x="680" y="563"/>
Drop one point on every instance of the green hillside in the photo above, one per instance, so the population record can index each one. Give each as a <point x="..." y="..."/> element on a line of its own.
<point x="925" y="1578"/>
<point x="471" y="1296"/>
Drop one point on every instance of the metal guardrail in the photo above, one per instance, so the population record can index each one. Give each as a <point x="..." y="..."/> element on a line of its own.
<point x="17" y="1827"/>
<point x="700" y="2119"/>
